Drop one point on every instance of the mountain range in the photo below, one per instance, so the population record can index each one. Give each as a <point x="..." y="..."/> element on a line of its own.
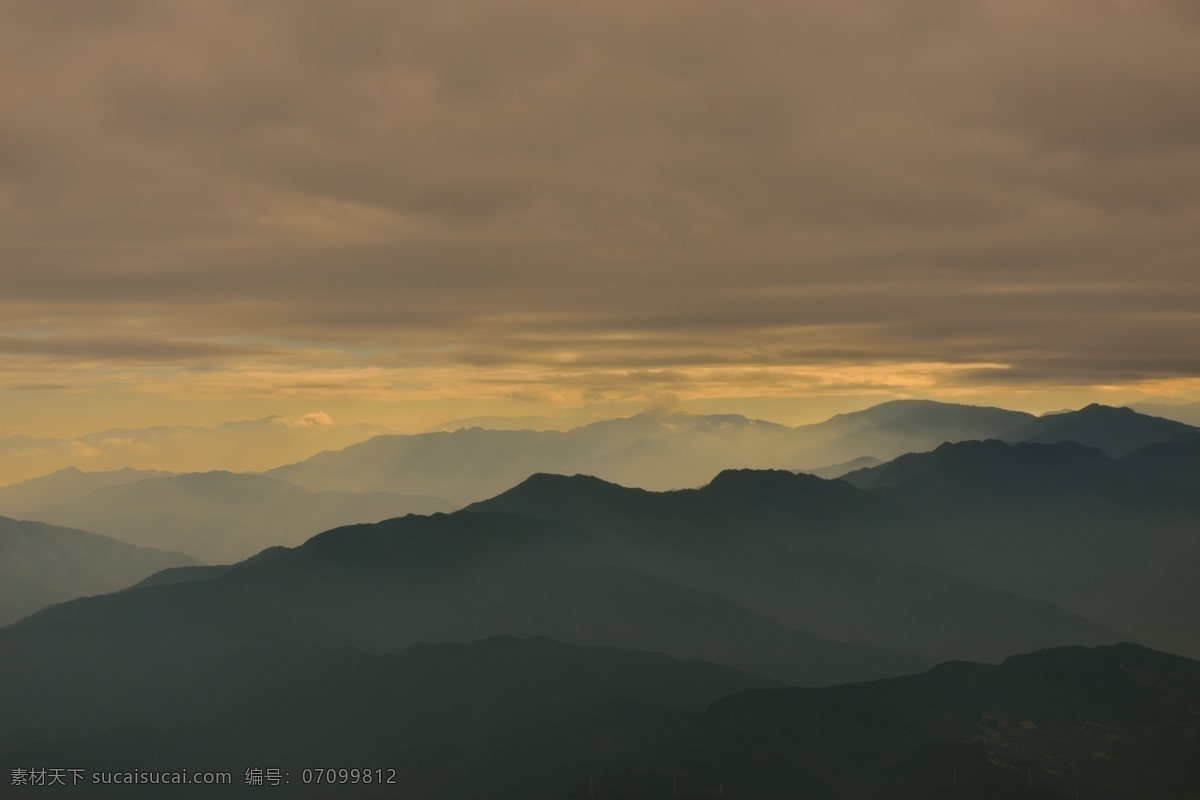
<point x="766" y="571"/>
<point x="650" y="451"/>
<point x="238" y="446"/>
<point x="677" y="451"/>
<point x="571" y="636"/>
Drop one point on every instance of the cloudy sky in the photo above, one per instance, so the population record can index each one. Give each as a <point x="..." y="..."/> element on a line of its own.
<point x="406" y="212"/>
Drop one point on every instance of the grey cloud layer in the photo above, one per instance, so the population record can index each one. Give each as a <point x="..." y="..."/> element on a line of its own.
<point x="643" y="185"/>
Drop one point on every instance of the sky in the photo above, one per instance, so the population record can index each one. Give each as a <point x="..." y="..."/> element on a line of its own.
<point x="403" y="213"/>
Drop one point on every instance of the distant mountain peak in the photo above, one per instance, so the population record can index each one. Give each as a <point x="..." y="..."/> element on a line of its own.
<point x="556" y="480"/>
<point x="761" y="481"/>
<point x="984" y="460"/>
<point x="1116" y="431"/>
<point x="543" y="489"/>
<point x="1116" y="411"/>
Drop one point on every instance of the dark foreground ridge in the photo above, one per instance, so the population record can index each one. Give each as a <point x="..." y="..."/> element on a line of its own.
<point x="509" y="718"/>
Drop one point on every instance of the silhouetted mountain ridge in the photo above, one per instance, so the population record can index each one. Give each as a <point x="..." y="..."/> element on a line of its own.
<point x="1116" y="431"/>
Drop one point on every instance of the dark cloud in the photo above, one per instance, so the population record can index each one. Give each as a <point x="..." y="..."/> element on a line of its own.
<point x="633" y="190"/>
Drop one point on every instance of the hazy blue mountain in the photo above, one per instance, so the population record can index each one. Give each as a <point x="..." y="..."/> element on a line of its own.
<point x="650" y="451"/>
<point x="240" y="446"/>
<point x="384" y="587"/>
<point x="471" y="463"/>
<point x="554" y="422"/>
<point x="1116" y="431"/>
<point x="902" y="426"/>
<point x="65" y="486"/>
<point x="838" y="470"/>
<point x="691" y="456"/>
<point x="221" y="517"/>
<point x="1180" y="412"/>
<point x="775" y="542"/>
<point x="42" y="564"/>
<point x="1116" y="723"/>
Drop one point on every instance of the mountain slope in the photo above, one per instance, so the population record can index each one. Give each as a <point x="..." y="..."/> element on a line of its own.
<point x="1098" y="536"/>
<point x="384" y="587"/>
<point x="43" y="564"/>
<point x="471" y="463"/>
<point x="506" y="718"/>
<point x="221" y="517"/>
<point x="1175" y="461"/>
<point x="1116" y="431"/>
<point x="1118" y="723"/>
<point x="838" y="470"/>
<point x="901" y="426"/>
<point x="775" y="542"/>
<point x="1113" y="723"/>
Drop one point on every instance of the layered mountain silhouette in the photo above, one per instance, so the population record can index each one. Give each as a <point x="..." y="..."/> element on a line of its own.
<point x="384" y="587"/>
<point x="650" y="451"/>
<point x="1100" y="538"/>
<point x="221" y="517"/>
<point x="626" y="631"/>
<point x="44" y="564"/>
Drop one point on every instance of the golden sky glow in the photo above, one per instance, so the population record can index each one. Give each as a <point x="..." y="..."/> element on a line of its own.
<point x="410" y="212"/>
